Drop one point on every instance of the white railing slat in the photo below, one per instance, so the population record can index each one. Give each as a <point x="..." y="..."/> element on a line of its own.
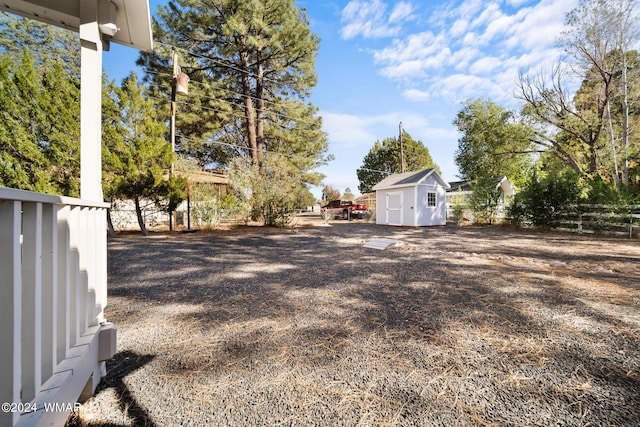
<point x="31" y="300"/>
<point x="49" y="288"/>
<point x="10" y="306"/>
<point x="64" y="284"/>
<point x="74" y="291"/>
<point x="53" y="274"/>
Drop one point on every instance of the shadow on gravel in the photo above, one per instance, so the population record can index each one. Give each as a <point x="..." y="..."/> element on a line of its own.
<point x="122" y="364"/>
<point x="499" y="327"/>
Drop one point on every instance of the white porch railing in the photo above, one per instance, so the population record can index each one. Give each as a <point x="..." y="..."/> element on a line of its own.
<point x="53" y="290"/>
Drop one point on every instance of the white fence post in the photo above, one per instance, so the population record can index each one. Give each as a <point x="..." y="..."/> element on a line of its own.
<point x="10" y="306"/>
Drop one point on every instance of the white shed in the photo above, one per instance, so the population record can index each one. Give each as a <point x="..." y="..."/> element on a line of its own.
<point x="412" y="199"/>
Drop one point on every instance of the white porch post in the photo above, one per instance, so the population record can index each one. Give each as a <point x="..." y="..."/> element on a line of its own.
<point x="90" y="103"/>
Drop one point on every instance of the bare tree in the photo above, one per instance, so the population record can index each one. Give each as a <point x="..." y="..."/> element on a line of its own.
<point x="561" y="128"/>
<point x="574" y="127"/>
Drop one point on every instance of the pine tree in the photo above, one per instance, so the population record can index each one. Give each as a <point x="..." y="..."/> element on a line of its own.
<point x="137" y="156"/>
<point x="39" y="126"/>
<point x="39" y="107"/>
<point x="384" y="159"/>
<point x="251" y="65"/>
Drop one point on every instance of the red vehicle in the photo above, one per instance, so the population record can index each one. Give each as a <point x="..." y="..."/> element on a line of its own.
<point x="345" y="209"/>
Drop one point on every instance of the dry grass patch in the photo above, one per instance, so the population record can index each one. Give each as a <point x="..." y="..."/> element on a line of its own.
<point x="455" y="327"/>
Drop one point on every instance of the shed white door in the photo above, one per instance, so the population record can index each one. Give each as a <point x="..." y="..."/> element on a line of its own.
<point x="394" y="208"/>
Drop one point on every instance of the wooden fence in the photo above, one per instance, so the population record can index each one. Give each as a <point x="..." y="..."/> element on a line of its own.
<point x="603" y="219"/>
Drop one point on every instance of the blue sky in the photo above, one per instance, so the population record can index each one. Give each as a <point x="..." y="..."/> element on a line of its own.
<point x="382" y="62"/>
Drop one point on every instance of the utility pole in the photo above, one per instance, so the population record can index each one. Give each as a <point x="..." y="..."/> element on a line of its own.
<point x="179" y="86"/>
<point x="401" y="149"/>
<point x="172" y="121"/>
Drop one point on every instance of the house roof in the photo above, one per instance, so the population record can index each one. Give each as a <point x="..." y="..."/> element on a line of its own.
<point x="409" y="179"/>
<point x="133" y="18"/>
<point x="206" y="177"/>
<point x="468" y="185"/>
<point x="460" y="186"/>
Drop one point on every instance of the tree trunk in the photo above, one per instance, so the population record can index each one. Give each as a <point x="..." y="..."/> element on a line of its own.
<point x="250" y="121"/>
<point x="260" y="113"/>
<point x="112" y="232"/>
<point x="593" y="160"/>
<point x="143" y="228"/>
<point x="625" y="121"/>
<point x="615" y="174"/>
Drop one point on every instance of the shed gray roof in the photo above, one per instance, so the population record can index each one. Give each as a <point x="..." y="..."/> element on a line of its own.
<point x="409" y="179"/>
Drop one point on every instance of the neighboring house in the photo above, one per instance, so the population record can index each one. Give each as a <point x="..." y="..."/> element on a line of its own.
<point x="460" y="191"/>
<point x="411" y="199"/>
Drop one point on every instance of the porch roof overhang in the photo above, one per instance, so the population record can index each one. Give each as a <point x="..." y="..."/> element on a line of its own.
<point x="133" y="18"/>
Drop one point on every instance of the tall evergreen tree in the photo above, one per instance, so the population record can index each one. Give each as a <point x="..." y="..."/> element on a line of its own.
<point x="136" y="154"/>
<point x="39" y="107"/>
<point x="251" y="65"/>
<point x="45" y="43"/>
<point x="39" y="126"/>
<point x="22" y="163"/>
<point x="384" y="159"/>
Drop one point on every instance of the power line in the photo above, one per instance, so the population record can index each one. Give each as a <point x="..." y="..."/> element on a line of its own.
<point x="374" y="170"/>
<point x="235" y="69"/>
<point x="277" y="113"/>
<point x="242" y="148"/>
<point x="218" y="62"/>
<point x="232" y="113"/>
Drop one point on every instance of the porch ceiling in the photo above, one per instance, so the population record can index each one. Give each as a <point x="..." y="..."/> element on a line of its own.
<point x="133" y="18"/>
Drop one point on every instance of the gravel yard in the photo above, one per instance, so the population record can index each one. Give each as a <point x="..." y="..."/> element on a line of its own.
<point x="452" y="326"/>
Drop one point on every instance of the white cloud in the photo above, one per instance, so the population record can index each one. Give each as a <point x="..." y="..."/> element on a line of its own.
<point x="458" y="87"/>
<point x="459" y="28"/>
<point x="401" y="12"/>
<point x="347" y="129"/>
<point x="488" y="14"/>
<point x="516" y="3"/>
<point x="485" y="65"/>
<point x="414" y="56"/>
<point x="462" y="58"/>
<point x="369" y="19"/>
<point x="366" y="19"/>
<point x="538" y="27"/>
<point x="416" y="95"/>
<point x="475" y="46"/>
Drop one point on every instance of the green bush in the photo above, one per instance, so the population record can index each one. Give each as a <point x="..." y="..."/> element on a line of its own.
<point x="269" y="192"/>
<point x="546" y="199"/>
<point x="457" y="207"/>
<point x="562" y="195"/>
<point x="485" y="200"/>
<point x="205" y="205"/>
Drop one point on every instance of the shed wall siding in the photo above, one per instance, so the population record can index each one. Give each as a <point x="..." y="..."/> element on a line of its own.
<point x="415" y="211"/>
<point x="430" y="215"/>
<point x="381" y="206"/>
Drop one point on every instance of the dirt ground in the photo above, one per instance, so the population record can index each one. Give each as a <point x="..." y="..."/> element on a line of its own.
<point x="451" y="326"/>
